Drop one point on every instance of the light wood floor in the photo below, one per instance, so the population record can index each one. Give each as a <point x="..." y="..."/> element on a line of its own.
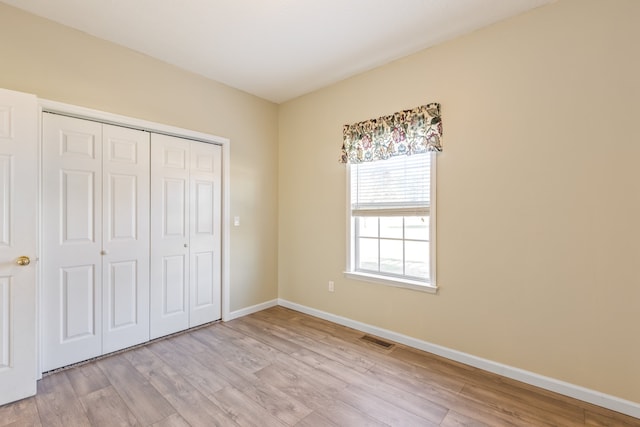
<point x="282" y="368"/>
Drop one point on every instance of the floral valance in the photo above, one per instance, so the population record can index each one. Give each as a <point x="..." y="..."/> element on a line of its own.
<point x="404" y="133"/>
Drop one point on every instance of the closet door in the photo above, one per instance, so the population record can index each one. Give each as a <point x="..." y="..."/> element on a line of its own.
<point x="185" y="234"/>
<point x="204" y="240"/>
<point x="95" y="239"/>
<point x="125" y="237"/>
<point x="170" y="158"/>
<point x="72" y="224"/>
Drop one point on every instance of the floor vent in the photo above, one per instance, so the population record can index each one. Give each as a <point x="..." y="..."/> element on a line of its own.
<point x="377" y="341"/>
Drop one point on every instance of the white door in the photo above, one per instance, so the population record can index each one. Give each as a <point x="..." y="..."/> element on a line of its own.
<point x="169" y="235"/>
<point x="185" y="234"/>
<point x="95" y="239"/>
<point x="125" y="237"/>
<point x="72" y="228"/>
<point x="18" y="225"/>
<point x="204" y="240"/>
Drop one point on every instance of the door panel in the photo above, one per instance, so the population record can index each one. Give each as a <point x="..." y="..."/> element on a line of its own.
<point x="173" y="285"/>
<point x="123" y="294"/>
<point x="5" y="323"/>
<point x="202" y="279"/>
<point x="123" y="195"/>
<point x="125" y="237"/>
<point x="205" y="228"/>
<point x="72" y="219"/>
<point x="6" y="184"/>
<point x="204" y="194"/>
<point x="169" y="235"/>
<point x="174" y="208"/>
<point x="77" y="199"/>
<point x="18" y="202"/>
<point x="78" y="288"/>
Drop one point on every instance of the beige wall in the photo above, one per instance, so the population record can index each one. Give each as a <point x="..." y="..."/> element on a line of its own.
<point x="538" y="195"/>
<point x="61" y="64"/>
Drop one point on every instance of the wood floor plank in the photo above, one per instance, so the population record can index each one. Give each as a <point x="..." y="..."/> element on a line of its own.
<point x="600" y="417"/>
<point x="381" y="409"/>
<point x="444" y="398"/>
<point x="177" y="390"/>
<point x="454" y="419"/>
<point x="285" y="320"/>
<point x="529" y="395"/>
<point x="248" y="344"/>
<point x="23" y="412"/>
<point x="262" y="331"/>
<point x="198" y="410"/>
<point x="202" y="378"/>
<point x="507" y="403"/>
<point x="216" y="342"/>
<point x="245" y="412"/>
<point x="406" y="400"/>
<point x="162" y="376"/>
<point x="298" y="387"/>
<point x="233" y="373"/>
<point x="144" y="360"/>
<point x="188" y="343"/>
<point x="87" y="378"/>
<point x="174" y="420"/>
<point x="58" y="405"/>
<point x="344" y="415"/>
<point x="353" y="359"/>
<point x="314" y="419"/>
<point x="104" y="407"/>
<point x="147" y="404"/>
<point x="277" y="403"/>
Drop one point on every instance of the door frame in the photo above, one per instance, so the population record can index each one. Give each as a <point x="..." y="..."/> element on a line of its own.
<point x="130" y="122"/>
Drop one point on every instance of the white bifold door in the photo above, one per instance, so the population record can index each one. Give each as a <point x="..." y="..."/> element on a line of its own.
<point x="185" y="234"/>
<point x="95" y="281"/>
<point x="18" y="226"/>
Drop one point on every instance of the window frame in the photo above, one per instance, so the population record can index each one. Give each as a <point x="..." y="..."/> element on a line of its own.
<point x="351" y="273"/>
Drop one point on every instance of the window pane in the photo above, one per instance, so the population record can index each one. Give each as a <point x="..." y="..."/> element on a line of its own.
<point x="416" y="227"/>
<point x="417" y="259"/>
<point x="368" y="255"/>
<point x="391" y="256"/>
<point x="401" y="181"/>
<point x="367" y="226"/>
<point x="391" y="227"/>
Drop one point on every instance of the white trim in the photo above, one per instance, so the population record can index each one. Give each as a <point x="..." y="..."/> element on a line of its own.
<point x="390" y="281"/>
<point x="226" y="230"/>
<point x="350" y="270"/>
<point x="567" y="389"/>
<point x="250" y="310"/>
<point x="433" y="248"/>
<point x="116" y="119"/>
<point x="350" y="246"/>
<point x="39" y="219"/>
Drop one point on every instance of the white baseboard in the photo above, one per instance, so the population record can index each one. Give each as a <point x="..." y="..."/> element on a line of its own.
<point x="567" y="389"/>
<point x="249" y="310"/>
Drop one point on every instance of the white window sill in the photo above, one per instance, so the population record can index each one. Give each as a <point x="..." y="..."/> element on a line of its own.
<point x="389" y="281"/>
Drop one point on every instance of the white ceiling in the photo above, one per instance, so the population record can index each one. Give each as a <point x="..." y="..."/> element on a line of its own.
<point x="277" y="49"/>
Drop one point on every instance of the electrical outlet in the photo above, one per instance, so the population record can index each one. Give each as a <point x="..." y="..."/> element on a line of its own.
<point x="331" y="287"/>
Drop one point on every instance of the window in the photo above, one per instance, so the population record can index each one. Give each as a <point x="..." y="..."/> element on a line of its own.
<point x="391" y="176"/>
<point x="391" y="216"/>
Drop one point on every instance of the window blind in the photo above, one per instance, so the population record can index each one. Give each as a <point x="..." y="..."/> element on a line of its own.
<point x="398" y="186"/>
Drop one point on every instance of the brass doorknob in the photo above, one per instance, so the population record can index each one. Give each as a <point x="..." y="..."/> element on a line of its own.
<point x="23" y="260"/>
